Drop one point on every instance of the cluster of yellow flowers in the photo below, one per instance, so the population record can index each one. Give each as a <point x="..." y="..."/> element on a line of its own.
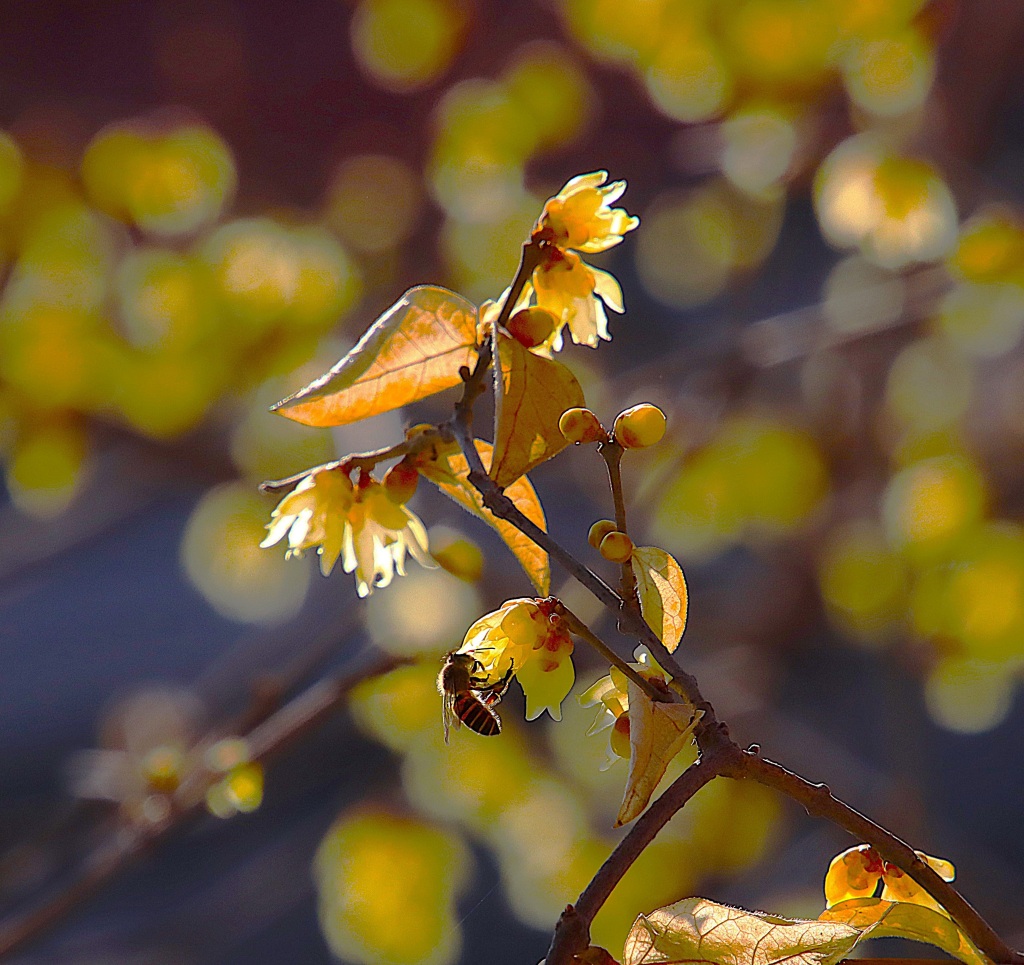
<point x="580" y="219"/>
<point x="362" y="524"/>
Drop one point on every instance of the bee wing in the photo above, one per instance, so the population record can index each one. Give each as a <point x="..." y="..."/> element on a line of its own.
<point x="448" y="715"/>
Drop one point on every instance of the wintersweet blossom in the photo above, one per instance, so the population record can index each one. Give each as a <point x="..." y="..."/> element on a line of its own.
<point x="360" y="524"/>
<point x="579" y="219"/>
<point x="580" y="216"/>
<point x="612" y="693"/>
<point x="576" y="293"/>
<point x="526" y="637"/>
<point x="856" y="872"/>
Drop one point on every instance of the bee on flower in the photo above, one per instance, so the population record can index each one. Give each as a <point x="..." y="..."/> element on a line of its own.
<point x="360" y="523"/>
<point x="525" y="638"/>
<point x="856" y="873"/>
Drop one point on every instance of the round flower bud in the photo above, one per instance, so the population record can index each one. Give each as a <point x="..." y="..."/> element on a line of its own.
<point x="616" y="547"/>
<point x="532" y="326"/>
<point x="620" y="736"/>
<point x="599" y="531"/>
<point x="400" y="482"/>
<point x="581" y="425"/>
<point x="640" y="426"/>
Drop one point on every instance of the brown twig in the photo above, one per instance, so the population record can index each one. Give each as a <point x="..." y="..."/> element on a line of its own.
<point x="612" y="451"/>
<point x="713" y="736"/>
<point x="303" y="714"/>
<point x="580" y="629"/>
<point x="720" y="755"/>
<point x="363" y="461"/>
<point x="817" y="799"/>
<point x="572" y="933"/>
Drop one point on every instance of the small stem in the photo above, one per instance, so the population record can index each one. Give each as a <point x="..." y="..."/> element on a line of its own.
<point x="818" y="800"/>
<point x="581" y="630"/>
<point x="462" y="421"/>
<point x="572" y="933"/>
<point x="363" y="461"/>
<point x="612" y="453"/>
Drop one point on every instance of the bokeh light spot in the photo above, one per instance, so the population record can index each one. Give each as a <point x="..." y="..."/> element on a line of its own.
<point x="892" y="75"/>
<point x="220" y="552"/>
<point x="374" y="202"/>
<point x="404" y="45"/>
<point x="968" y="696"/>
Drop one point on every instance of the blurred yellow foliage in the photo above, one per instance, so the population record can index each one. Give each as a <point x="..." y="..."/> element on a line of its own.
<point x="387" y="888"/>
<point x="404" y="45"/>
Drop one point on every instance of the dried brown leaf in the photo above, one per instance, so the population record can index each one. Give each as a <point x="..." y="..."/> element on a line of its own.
<point x="698" y="930"/>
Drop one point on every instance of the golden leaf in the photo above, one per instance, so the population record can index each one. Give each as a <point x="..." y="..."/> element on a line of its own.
<point x="413" y="350"/>
<point x="661" y="587"/>
<point x="658" y="730"/>
<point x="698" y="930"/>
<point x="531" y="557"/>
<point x="900" y="919"/>
<point x="533" y="394"/>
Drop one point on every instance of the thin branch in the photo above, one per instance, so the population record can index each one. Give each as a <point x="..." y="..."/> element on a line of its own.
<point x="580" y="629"/>
<point x="462" y="421"/>
<point x="303" y="714"/>
<point x="363" y="461"/>
<point x="817" y="799"/>
<point x="572" y="933"/>
<point x="612" y="453"/>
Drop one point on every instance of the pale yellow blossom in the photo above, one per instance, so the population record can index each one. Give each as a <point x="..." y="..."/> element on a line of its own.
<point x="360" y="524"/>
<point x="580" y="216"/>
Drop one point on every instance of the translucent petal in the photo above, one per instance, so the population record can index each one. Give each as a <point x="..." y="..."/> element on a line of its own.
<point x="546" y="684"/>
<point x="608" y="289"/>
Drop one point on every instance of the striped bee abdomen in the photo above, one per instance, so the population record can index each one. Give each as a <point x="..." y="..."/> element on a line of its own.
<point x="475" y="714"/>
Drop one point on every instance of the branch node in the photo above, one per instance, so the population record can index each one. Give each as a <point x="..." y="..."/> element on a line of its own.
<point x="572" y="936"/>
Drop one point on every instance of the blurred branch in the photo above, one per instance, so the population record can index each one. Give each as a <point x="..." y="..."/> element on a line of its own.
<point x="298" y="718"/>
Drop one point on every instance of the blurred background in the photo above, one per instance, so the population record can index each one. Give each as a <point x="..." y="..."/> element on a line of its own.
<point x="203" y="206"/>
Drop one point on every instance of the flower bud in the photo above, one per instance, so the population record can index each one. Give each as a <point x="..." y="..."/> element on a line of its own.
<point x="581" y="425"/>
<point x="620" y="736"/>
<point x="599" y="531"/>
<point x="616" y="547"/>
<point x="400" y="482"/>
<point x="532" y="326"/>
<point x="640" y="426"/>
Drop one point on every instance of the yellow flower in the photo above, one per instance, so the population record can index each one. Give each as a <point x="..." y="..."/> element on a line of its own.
<point x="612" y="694"/>
<point x="576" y="293"/>
<point x="525" y="637"/>
<point x="856" y="872"/>
<point x="314" y="513"/>
<point x="360" y="524"/>
<point x="578" y="219"/>
<point x="580" y="216"/>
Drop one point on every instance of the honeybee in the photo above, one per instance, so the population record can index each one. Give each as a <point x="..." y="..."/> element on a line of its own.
<point x="468" y="698"/>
